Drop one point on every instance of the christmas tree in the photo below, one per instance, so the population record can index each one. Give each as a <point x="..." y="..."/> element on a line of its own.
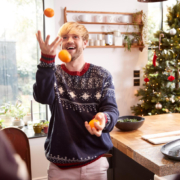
<point x="161" y="93"/>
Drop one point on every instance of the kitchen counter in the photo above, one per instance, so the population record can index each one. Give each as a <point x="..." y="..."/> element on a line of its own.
<point x="146" y="154"/>
<point x="31" y="134"/>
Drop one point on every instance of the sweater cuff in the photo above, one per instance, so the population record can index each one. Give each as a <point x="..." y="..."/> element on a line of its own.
<point x="108" y="120"/>
<point x="47" y="60"/>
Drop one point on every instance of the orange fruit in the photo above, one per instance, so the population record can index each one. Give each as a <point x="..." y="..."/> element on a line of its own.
<point x="91" y="123"/>
<point x="64" y="56"/>
<point x="49" y="12"/>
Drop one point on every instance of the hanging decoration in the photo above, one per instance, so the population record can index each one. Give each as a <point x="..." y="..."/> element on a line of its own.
<point x="171" y="78"/>
<point x="150" y="1"/>
<point x="154" y="59"/>
<point x="146" y="80"/>
<point x="158" y="106"/>
<point x="172" y="31"/>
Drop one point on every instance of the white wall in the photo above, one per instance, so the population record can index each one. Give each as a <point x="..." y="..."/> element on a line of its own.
<point x="119" y="62"/>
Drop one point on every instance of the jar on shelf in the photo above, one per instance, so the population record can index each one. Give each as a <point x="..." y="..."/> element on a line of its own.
<point x="109" y="39"/>
<point x="117" y="38"/>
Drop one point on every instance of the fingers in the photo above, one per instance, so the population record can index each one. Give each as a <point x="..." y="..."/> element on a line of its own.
<point x="93" y="131"/>
<point x="40" y="37"/>
<point x="47" y="40"/>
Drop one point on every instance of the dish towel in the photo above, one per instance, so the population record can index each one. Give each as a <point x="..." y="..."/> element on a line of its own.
<point x="161" y="138"/>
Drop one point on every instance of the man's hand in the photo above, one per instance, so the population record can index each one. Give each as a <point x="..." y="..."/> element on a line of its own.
<point x="45" y="47"/>
<point x="99" y="127"/>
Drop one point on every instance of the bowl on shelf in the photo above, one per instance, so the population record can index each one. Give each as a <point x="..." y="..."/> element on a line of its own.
<point x="129" y="123"/>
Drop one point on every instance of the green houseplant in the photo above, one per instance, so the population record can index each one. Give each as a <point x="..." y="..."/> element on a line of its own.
<point x="5" y="114"/>
<point x="1" y="123"/>
<point x="46" y="126"/>
<point x="37" y="127"/>
<point x="18" y="112"/>
<point x="127" y="42"/>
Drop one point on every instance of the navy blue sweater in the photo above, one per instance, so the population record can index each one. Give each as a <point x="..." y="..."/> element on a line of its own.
<point x="75" y="97"/>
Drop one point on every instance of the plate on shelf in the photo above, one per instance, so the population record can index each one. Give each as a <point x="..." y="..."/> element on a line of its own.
<point x="172" y="150"/>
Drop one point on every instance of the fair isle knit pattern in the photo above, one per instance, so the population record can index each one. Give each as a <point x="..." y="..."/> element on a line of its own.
<point x="75" y="97"/>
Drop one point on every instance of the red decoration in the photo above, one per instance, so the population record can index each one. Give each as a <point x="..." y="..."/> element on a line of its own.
<point x="171" y="78"/>
<point x="146" y="80"/>
<point x="154" y="59"/>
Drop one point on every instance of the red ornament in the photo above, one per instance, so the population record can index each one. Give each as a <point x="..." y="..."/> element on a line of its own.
<point x="171" y="78"/>
<point x="146" y="80"/>
<point x="154" y="59"/>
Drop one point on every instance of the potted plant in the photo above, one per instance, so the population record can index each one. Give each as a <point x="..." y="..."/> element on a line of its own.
<point x="37" y="127"/>
<point x="18" y="112"/>
<point x="45" y="127"/>
<point x="127" y="42"/>
<point x="5" y="111"/>
<point x="137" y="17"/>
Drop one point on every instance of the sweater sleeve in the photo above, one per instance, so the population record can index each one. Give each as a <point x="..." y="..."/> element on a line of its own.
<point x="43" y="89"/>
<point x="108" y="104"/>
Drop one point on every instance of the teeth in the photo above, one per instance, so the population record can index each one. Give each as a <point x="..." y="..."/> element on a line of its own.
<point x="70" y="47"/>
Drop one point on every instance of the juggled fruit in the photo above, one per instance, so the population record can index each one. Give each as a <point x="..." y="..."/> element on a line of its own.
<point x="49" y="12"/>
<point x="64" y="56"/>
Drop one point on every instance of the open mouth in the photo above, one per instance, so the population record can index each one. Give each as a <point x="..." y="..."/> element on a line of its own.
<point x="71" y="48"/>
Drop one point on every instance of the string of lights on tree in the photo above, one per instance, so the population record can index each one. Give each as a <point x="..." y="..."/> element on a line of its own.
<point x="161" y="93"/>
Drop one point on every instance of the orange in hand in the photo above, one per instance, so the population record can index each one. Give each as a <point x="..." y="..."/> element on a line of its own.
<point x="49" y="12"/>
<point x="64" y="56"/>
<point x="91" y="123"/>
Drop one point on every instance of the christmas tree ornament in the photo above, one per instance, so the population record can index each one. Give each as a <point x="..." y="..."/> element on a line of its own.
<point x="171" y="78"/>
<point x="167" y="99"/>
<point x="146" y="80"/>
<point x="172" y="99"/>
<point x="167" y="110"/>
<point x="160" y="40"/>
<point x="158" y="106"/>
<point x="154" y="59"/>
<point x="172" y="31"/>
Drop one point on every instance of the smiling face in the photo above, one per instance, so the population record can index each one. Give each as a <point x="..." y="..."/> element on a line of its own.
<point x="75" y="37"/>
<point x="74" y="44"/>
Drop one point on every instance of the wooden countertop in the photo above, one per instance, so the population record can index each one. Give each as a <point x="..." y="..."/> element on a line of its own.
<point x="145" y="153"/>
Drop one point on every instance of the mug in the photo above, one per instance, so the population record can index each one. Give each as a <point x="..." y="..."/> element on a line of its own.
<point x="127" y="19"/>
<point x="102" y="42"/>
<point x="99" y="36"/>
<point x="97" y="43"/>
<point x="91" y="42"/>
<point x="119" y="19"/>
<point x="98" y="18"/>
<point x="109" y="19"/>
<point x="117" y="33"/>
<point x="83" y="18"/>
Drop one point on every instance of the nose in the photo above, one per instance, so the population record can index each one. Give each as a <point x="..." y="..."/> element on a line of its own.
<point x="70" y="39"/>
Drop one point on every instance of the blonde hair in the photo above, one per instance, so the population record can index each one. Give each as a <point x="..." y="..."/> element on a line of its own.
<point x="74" y="28"/>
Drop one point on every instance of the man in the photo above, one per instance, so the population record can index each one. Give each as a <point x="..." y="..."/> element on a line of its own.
<point x="77" y="92"/>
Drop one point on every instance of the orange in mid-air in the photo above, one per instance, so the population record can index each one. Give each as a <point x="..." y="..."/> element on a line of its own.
<point x="91" y="123"/>
<point x="64" y="56"/>
<point x="49" y="12"/>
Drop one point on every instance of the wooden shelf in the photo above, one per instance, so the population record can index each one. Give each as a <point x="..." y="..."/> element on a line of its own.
<point x="112" y="33"/>
<point x="106" y="23"/>
<point x="140" y="24"/>
<point x="112" y="46"/>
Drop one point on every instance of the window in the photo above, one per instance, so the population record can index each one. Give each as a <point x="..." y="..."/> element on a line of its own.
<point x="19" y="52"/>
<point x="155" y="20"/>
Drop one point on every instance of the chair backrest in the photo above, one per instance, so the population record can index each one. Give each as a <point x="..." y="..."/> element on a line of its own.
<point x="20" y="143"/>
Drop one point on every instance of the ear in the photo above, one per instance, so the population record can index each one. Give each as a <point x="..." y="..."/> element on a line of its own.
<point x="85" y="44"/>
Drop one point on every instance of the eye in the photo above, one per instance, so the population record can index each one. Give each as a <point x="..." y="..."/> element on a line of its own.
<point x="65" y="37"/>
<point x="76" y="37"/>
